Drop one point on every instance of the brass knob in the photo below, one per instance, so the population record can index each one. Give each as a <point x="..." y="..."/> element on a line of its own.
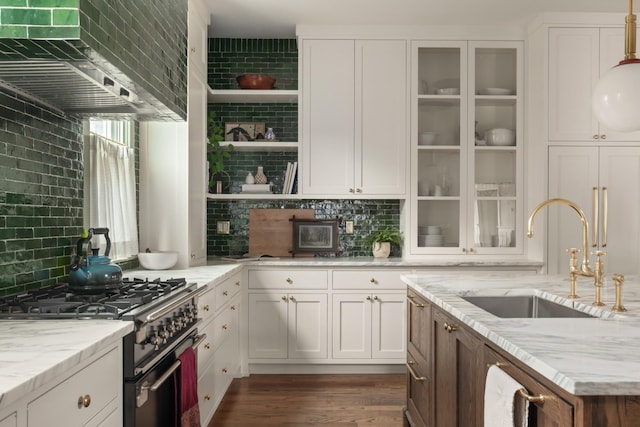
<point x="284" y="298"/>
<point x="359" y="190"/>
<point x="233" y="307"/>
<point x="289" y="281"/>
<point x="238" y="283"/>
<point x="84" y="401"/>
<point x="464" y="250"/>
<point x="206" y="307"/>
<point x="471" y="250"/>
<point x="207" y="396"/>
<point x="351" y="190"/>
<point x="207" y="346"/>
<point x="225" y="370"/>
<point x="292" y="298"/>
<point x="225" y="326"/>
<point x="225" y="293"/>
<point x="375" y="298"/>
<point x="368" y="298"/>
<point x="603" y="136"/>
<point x="193" y="50"/>
<point x="373" y="280"/>
<point x="450" y="328"/>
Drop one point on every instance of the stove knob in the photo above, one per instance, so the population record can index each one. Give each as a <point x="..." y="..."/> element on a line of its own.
<point x="164" y="334"/>
<point x="171" y="327"/>
<point x="155" y="340"/>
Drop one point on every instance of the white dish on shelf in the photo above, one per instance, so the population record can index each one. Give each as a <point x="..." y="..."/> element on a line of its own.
<point x="495" y="91"/>
<point x="448" y="91"/>
<point x="500" y="137"/>
<point x="427" y="138"/>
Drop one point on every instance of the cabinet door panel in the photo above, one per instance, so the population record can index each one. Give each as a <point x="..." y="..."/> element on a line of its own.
<point x="419" y="326"/>
<point x="267" y="325"/>
<point x="388" y="326"/>
<point x="419" y="394"/>
<point x="328" y="116"/>
<point x="573" y="72"/>
<point x="352" y="326"/>
<point x="381" y="116"/>
<point x="308" y="326"/>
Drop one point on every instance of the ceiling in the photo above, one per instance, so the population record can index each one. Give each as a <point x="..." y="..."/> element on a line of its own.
<point x="277" y="18"/>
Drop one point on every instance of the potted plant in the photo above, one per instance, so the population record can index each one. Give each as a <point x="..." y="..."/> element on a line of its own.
<point x="216" y="153"/>
<point x="380" y="241"/>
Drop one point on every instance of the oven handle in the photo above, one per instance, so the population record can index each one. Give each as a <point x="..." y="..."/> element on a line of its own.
<point x="143" y="394"/>
<point x="164" y="310"/>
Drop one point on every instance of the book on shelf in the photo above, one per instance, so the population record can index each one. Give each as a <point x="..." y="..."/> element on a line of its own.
<point x="256" y="188"/>
<point x="292" y="178"/>
<point x="285" y="184"/>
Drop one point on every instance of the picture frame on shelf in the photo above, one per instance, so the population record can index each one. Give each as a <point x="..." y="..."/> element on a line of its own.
<point x="315" y="236"/>
<point x="244" y="131"/>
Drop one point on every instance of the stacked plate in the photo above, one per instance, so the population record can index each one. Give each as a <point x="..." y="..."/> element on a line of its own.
<point x="430" y="236"/>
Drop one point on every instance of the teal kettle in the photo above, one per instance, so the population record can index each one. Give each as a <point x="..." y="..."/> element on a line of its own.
<point x="92" y="273"/>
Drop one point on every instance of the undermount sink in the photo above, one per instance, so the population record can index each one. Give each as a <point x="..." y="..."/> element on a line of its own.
<point x="523" y="306"/>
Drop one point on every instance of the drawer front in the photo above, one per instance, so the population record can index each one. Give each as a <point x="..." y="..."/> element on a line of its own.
<point x="207" y="304"/>
<point x="101" y="382"/>
<point x="206" y="350"/>
<point x="371" y="279"/>
<point x="288" y="279"/>
<point x="226" y="290"/>
<point x="418" y="392"/>
<point x="225" y="325"/>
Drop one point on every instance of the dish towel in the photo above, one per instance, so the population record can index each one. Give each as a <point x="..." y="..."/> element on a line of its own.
<point x="503" y="405"/>
<point x="189" y="412"/>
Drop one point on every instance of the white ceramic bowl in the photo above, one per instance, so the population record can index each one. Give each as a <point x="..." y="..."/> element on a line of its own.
<point x="158" y="260"/>
<point x="500" y="136"/>
<point x="427" y="138"/>
<point x="448" y="91"/>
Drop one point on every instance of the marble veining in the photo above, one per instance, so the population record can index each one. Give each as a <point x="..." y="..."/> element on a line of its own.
<point x="584" y="356"/>
<point x="34" y="352"/>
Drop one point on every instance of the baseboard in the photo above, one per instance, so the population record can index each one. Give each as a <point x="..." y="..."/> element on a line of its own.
<point x="263" y="368"/>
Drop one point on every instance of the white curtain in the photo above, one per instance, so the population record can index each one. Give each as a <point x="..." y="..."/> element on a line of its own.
<point x="111" y="195"/>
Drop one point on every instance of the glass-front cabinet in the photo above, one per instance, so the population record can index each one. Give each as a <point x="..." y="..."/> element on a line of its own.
<point x="467" y="148"/>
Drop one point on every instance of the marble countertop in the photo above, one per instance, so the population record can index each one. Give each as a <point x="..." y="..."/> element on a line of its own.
<point x="33" y="352"/>
<point x="584" y="356"/>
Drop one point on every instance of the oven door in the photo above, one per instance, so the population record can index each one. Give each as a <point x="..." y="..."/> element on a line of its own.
<point x="150" y="399"/>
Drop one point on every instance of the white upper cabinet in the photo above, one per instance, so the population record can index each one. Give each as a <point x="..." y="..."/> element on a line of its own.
<point x="578" y="57"/>
<point x="354" y="118"/>
<point x="467" y="185"/>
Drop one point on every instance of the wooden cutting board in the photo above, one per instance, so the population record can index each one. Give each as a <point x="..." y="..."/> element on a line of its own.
<point x="271" y="231"/>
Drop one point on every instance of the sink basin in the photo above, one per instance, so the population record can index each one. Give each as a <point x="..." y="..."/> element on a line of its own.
<point x="523" y="306"/>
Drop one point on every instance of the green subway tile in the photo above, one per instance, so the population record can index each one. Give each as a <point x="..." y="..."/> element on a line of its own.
<point x="25" y="16"/>
<point x="65" y="17"/>
<point x="54" y="3"/>
<point x="8" y="3"/>
<point x="54" y="32"/>
<point x="17" y="31"/>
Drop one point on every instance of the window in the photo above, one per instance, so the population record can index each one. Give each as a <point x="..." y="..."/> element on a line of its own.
<point x="110" y="186"/>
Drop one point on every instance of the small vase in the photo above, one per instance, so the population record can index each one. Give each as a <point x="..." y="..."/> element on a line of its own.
<point x="381" y="249"/>
<point x="260" y="177"/>
<point x="270" y="135"/>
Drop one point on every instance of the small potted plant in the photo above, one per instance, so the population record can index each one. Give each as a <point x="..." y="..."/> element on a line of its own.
<point x="216" y="153"/>
<point x="380" y="241"/>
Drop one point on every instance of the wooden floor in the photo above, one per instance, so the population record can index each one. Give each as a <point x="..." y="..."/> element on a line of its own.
<point x="311" y="400"/>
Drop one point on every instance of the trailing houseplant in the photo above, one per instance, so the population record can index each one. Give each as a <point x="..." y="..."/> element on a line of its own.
<point x="216" y="153"/>
<point x="381" y="241"/>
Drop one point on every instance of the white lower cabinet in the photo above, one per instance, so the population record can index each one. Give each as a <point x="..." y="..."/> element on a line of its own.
<point x="90" y="397"/>
<point x="10" y="421"/>
<point x="287" y="325"/>
<point x="219" y="353"/>
<point x="369" y="325"/>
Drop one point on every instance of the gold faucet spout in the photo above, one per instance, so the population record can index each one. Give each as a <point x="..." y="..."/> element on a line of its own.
<point x="584" y="269"/>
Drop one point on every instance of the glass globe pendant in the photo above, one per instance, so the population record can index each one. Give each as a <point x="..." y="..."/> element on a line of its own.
<point x="616" y="97"/>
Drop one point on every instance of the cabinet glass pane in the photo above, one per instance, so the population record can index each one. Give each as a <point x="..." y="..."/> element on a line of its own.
<point x="439" y="173"/>
<point x="494" y="114"/>
<point x="495" y="167"/>
<point x="494" y="222"/>
<point x="438" y="223"/>
<point x="441" y="119"/>
<point x="496" y="71"/>
<point x="438" y="69"/>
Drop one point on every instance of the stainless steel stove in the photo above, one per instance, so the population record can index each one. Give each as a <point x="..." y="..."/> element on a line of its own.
<point x="166" y="322"/>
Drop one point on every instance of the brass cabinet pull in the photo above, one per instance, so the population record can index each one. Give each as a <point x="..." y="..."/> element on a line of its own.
<point x="413" y="303"/>
<point x="471" y="250"/>
<point x="233" y="307"/>
<point x="351" y="190"/>
<point x="605" y="211"/>
<point x="84" y="401"/>
<point x="603" y="136"/>
<point x="289" y="281"/>
<point x="450" y="328"/>
<point x="207" y="396"/>
<point x="238" y="283"/>
<point x="413" y="374"/>
<point x="225" y="370"/>
<point x="596" y="136"/>
<point x="368" y="297"/>
<point x="358" y="190"/>
<point x="292" y="298"/>
<point x="375" y="298"/>
<point x="538" y="400"/>
<point x="225" y="326"/>
<point x="596" y="204"/>
<point x="373" y="280"/>
<point x="225" y="293"/>
<point x="206" y="307"/>
<point x="284" y="298"/>
<point x="207" y="346"/>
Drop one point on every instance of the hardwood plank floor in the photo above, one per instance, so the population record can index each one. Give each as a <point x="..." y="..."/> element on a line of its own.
<point x="310" y="400"/>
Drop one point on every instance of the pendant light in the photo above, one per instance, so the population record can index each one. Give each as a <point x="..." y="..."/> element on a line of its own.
<point x="616" y="98"/>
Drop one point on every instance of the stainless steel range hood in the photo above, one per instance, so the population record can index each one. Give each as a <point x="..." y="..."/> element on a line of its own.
<point x="72" y="87"/>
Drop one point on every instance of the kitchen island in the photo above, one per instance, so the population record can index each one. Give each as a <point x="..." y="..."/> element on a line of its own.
<point x="588" y="368"/>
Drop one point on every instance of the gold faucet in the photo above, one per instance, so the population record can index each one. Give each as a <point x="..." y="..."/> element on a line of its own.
<point x="584" y="269"/>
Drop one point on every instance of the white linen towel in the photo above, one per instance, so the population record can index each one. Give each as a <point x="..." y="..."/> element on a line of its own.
<point x="503" y="405"/>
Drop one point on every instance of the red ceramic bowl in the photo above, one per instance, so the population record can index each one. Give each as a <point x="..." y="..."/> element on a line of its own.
<point x="255" y="81"/>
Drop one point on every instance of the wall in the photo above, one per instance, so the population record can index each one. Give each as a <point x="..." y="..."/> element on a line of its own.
<point x="229" y="58"/>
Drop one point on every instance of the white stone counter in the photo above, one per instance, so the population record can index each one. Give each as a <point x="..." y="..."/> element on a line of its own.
<point x="584" y="356"/>
<point x="33" y="352"/>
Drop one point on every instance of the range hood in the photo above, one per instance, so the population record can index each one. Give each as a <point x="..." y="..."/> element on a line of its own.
<point x="72" y="87"/>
